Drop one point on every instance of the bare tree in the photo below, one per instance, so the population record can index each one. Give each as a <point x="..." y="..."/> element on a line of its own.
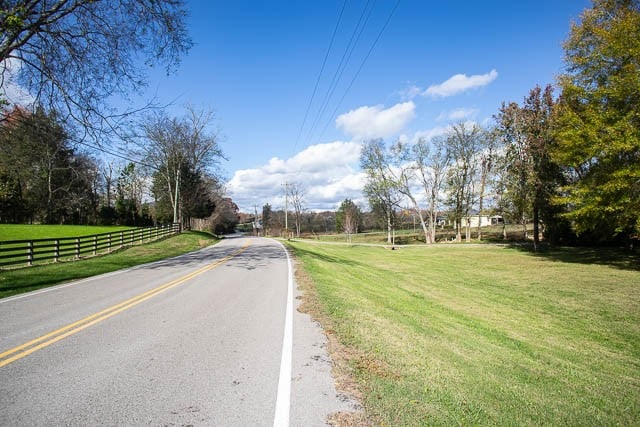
<point x="382" y="187"/>
<point x="464" y="143"/>
<point x="431" y="168"/>
<point x="401" y="167"/>
<point x="296" y="194"/>
<point x="107" y="171"/>
<point x="486" y="159"/>
<point x="348" y="218"/>
<point x="73" y="55"/>
<point x="181" y="151"/>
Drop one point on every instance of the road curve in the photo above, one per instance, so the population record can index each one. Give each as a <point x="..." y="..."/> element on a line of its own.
<point x="194" y="340"/>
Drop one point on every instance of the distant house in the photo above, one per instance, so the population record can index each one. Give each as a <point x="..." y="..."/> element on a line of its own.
<point x="483" y="220"/>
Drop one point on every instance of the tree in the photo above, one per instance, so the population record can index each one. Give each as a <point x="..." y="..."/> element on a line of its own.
<point x="73" y="55"/>
<point x="401" y="168"/>
<point x="532" y="177"/>
<point x="598" y="122"/>
<point x="464" y="143"/>
<point x="267" y="217"/>
<point x="85" y="189"/>
<point x="432" y="163"/>
<point x="381" y="188"/>
<point x="183" y="153"/>
<point x="296" y="193"/>
<point x="517" y="163"/>
<point x="348" y="218"/>
<point x="107" y="211"/>
<point x="39" y="168"/>
<point x="498" y="181"/>
<point x="225" y="216"/>
<point x="129" y="190"/>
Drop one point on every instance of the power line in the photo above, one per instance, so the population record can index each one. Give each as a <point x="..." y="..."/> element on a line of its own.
<point x="324" y="62"/>
<point x="361" y="66"/>
<point x="341" y="65"/>
<point x="111" y="153"/>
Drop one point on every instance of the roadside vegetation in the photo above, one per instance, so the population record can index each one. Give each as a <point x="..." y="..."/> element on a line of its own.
<point x="481" y="334"/>
<point x="28" y="279"/>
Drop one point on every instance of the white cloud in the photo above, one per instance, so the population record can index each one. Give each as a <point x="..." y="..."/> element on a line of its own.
<point x="434" y="132"/>
<point x="328" y="172"/>
<point x="430" y="133"/>
<point x="460" y="83"/>
<point x="458" y="114"/>
<point x="10" y="89"/>
<point x="410" y="92"/>
<point x="376" y="122"/>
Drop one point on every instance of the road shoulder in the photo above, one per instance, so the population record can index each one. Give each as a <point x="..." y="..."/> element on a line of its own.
<point x="315" y="401"/>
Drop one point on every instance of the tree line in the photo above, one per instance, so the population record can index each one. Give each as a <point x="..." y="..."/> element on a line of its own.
<point x="71" y="65"/>
<point x="569" y="165"/>
<point x="46" y="178"/>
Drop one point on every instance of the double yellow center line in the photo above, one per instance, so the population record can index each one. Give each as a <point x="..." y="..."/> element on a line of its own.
<point x="39" y="343"/>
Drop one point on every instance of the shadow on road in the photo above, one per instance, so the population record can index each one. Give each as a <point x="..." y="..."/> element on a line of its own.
<point x="257" y="256"/>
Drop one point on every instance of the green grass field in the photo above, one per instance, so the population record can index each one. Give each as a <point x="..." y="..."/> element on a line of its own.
<point x="484" y="335"/>
<point x="27" y="279"/>
<point x="37" y="231"/>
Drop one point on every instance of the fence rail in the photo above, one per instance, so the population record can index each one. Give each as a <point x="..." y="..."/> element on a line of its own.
<point x="28" y="252"/>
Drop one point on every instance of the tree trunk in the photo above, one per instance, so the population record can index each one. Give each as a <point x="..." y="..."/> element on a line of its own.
<point x="422" y="223"/>
<point x="467" y="236"/>
<point x="536" y="229"/>
<point x="482" y="184"/>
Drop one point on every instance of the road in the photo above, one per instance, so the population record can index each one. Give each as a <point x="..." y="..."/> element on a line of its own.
<point x="208" y="338"/>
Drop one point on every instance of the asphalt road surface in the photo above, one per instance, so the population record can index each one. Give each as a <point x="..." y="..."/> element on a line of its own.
<point x="208" y="338"/>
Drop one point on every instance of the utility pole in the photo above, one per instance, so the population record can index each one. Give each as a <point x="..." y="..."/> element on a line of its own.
<point x="286" y="207"/>
<point x="255" y="220"/>
<point x="177" y="195"/>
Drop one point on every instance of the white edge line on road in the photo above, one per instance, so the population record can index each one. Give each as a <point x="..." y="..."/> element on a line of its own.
<point x="281" y="418"/>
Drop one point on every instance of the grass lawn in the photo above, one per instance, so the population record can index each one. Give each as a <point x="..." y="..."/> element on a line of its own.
<point x="36" y="231"/>
<point x="484" y="335"/>
<point x="27" y="279"/>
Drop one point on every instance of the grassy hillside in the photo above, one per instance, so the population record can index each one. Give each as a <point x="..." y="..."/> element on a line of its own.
<point x="36" y="231"/>
<point x="484" y="335"/>
<point x="27" y="279"/>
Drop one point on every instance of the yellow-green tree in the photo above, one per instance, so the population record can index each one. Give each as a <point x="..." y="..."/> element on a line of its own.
<point x="598" y="121"/>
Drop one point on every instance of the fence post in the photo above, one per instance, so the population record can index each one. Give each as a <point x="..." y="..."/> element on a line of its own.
<point x="95" y="244"/>
<point x="30" y="253"/>
<point x="109" y="243"/>
<point x="77" y="248"/>
<point x="121" y="239"/>
<point x="56" y="250"/>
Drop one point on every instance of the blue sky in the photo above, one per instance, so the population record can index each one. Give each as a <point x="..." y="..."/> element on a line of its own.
<point x="257" y="62"/>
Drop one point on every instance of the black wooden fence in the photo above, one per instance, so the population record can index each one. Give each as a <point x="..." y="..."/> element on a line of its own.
<point x="28" y="252"/>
